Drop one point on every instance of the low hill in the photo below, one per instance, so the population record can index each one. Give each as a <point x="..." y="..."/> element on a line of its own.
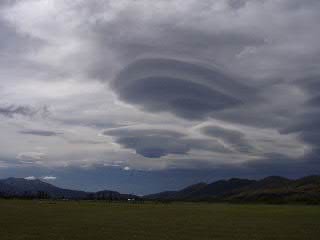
<point x="272" y="189"/>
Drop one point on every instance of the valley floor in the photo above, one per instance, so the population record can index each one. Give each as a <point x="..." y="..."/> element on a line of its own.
<point x="33" y="220"/>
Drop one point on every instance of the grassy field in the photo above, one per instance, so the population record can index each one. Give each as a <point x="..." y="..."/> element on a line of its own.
<point x="98" y="220"/>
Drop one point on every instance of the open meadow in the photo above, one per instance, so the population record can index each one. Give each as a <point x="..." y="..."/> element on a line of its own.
<point x="32" y="220"/>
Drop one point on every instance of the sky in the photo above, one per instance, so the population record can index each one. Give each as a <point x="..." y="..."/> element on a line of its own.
<point x="142" y="96"/>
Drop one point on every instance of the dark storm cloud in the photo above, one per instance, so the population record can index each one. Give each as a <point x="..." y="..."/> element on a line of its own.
<point x="11" y="110"/>
<point x="210" y="145"/>
<point x="188" y="90"/>
<point x="307" y="123"/>
<point x="165" y="39"/>
<point x="275" y="49"/>
<point x="42" y="133"/>
<point x="297" y="4"/>
<point x="156" y="143"/>
<point x="150" y="143"/>
<point x="315" y="101"/>
<point x="235" y="138"/>
<point x="13" y="46"/>
<point x="278" y="106"/>
<point x="12" y="42"/>
<point x="190" y="42"/>
<point x="224" y="133"/>
<point x="308" y="130"/>
<point x="7" y="2"/>
<point x="124" y="132"/>
<point x="23" y="110"/>
<point x="131" y="36"/>
<point x="277" y="164"/>
<point x="310" y="84"/>
<point x="236" y="4"/>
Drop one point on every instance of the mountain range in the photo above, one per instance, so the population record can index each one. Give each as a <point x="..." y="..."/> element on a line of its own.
<point x="22" y="188"/>
<point x="272" y="189"/>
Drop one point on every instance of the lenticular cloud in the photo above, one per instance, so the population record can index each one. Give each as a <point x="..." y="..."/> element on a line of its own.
<point x="188" y="90"/>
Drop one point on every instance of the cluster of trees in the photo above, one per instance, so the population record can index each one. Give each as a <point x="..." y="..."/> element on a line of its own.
<point x="101" y="196"/>
<point x="27" y="195"/>
<point x="113" y="196"/>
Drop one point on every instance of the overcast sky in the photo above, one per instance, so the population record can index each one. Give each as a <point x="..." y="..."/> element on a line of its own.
<point x="137" y="88"/>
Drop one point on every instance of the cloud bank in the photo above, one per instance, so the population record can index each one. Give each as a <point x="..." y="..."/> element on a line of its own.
<point x="159" y="85"/>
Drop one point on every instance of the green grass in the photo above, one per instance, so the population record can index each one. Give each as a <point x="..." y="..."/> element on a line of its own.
<point x="98" y="220"/>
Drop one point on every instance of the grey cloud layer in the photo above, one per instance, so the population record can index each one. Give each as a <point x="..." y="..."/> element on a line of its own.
<point x="247" y="64"/>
